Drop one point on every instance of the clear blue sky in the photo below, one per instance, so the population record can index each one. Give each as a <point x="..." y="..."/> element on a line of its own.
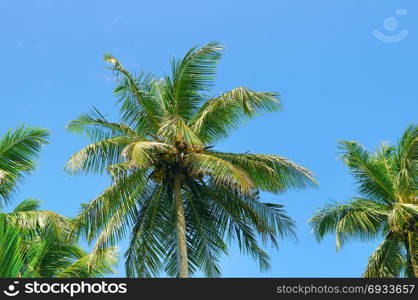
<point x="337" y="81"/>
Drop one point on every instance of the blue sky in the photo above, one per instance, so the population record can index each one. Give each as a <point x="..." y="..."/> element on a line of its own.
<point x="337" y="81"/>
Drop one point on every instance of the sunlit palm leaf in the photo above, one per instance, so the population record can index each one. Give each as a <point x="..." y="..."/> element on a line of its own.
<point x="218" y="116"/>
<point x="270" y="173"/>
<point x="18" y="149"/>
<point x="191" y="76"/>
<point x="98" y="156"/>
<point x="386" y="261"/>
<point x="359" y="218"/>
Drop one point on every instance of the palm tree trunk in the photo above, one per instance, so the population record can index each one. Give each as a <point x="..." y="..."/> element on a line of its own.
<point x="181" y="229"/>
<point x="412" y="253"/>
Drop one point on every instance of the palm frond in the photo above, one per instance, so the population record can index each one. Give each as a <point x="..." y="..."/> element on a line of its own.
<point x="371" y="176"/>
<point x="115" y="200"/>
<point x="192" y="76"/>
<point x="173" y="129"/>
<point x="218" y="116"/>
<point x="223" y="172"/>
<point x="403" y="216"/>
<point x="140" y="106"/>
<point x="95" y="126"/>
<point x="18" y="149"/>
<point x="270" y="173"/>
<point x="98" y="156"/>
<point x="204" y="232"/>
<point x="359" y="218"/>
<point x="27" y="205"/>
<point x="411" y="246"/>
<point x="143" y="257"/>
<point x="407" y="164"/>
<point x="143" y="154"/>
<point x="241" y="222"/>
<point x="82" y="268"/>
<point x="386" y="261"/>
<point x="12" y="250"/>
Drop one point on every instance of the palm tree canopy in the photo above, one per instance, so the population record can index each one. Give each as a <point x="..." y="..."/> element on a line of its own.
<point x="167" y="128"/>
<point x="37" y="243"/>
<point x="18" y="149"/>
<point x="387" y="205"/>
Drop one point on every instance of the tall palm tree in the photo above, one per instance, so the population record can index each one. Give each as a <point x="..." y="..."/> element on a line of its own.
<point x="37" y="243"/>
<point x="177" y="196"/>
<point x="18" y="149"/>
<point x="387" y="205"/>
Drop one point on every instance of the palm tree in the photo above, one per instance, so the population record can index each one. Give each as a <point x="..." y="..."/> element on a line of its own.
<point x="177" y="196"/>
<point x="37" y="243"/>
<point x="387" y="205"/>
<point x="18" y="149"/>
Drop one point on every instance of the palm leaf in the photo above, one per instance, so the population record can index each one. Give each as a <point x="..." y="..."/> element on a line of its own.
<point x="360" y="218"/>
<point x="386" y="261"/>
<point x="270" y="173"/>
<point x="218" y="116"/>
<point x="191" y="76"/>
<point x="222" y="171"/>
<point x="372" y="178"/>
<point x="18" y="149"/>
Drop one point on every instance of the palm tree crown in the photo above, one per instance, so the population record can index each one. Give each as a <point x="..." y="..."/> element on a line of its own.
<point x="177" y="196"/>
<point x="387" y="205"/>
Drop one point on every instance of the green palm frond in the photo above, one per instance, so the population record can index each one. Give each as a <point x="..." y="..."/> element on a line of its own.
<point x="36" y="243"/>
<point x="12" y="250"/>
<point x="402" y="215"/>
<point x="143" y="257"/>
<point x="173" y="129"/>
<point x="120" y="219"/>
<point x="218" y="116"/>
<point x="38" y="222"/>
<point x="27" y="205"/>
<point x="192" y="76"/>
<point x="371" y="176"/>
<point x="359" y="218"/>
<point x="98" y="156"/>
<point x="411" y="245"/>
<point x="270" y="173"/>
<point x="82" y="268"/>
<point x="18" y="149"/>
<point x="114" y="200"/>
<point x="386" y="261"/>
<point x="204" y="232"/>
<point x="143" y="154"/>
<point x="223" y="172"/>
<point x="95" y="126"/>
<point x="407" y="163"/>
<point x="243" y="218"/>
<point x="140" y="108"/>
